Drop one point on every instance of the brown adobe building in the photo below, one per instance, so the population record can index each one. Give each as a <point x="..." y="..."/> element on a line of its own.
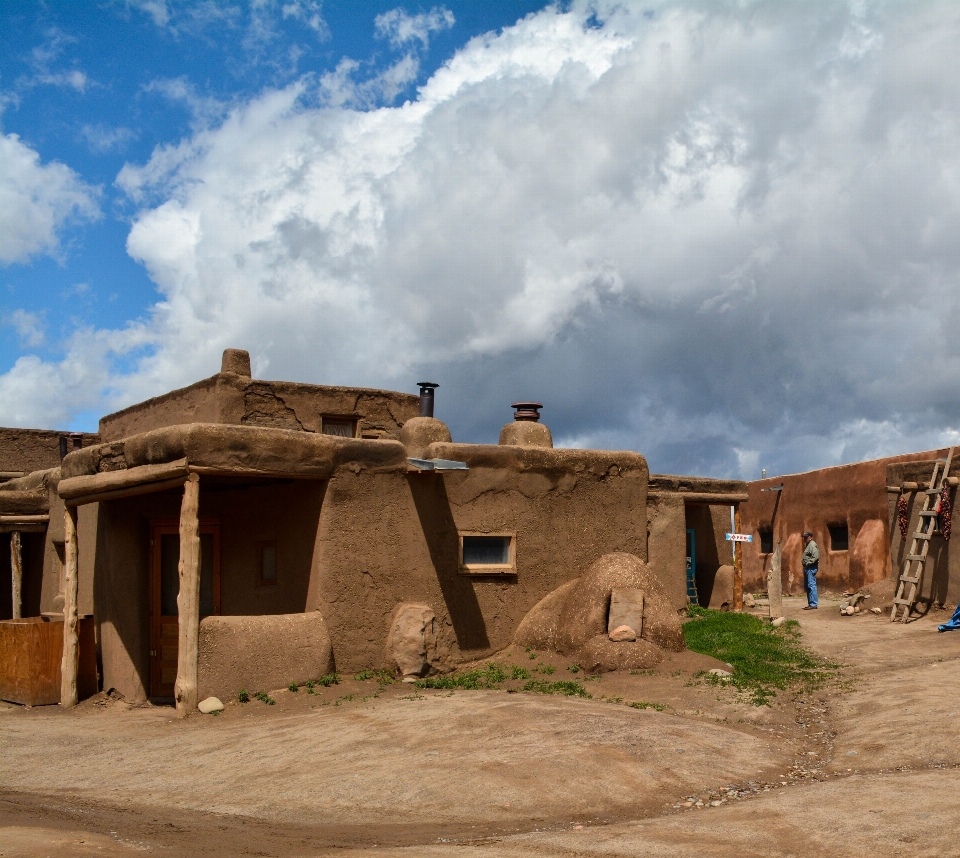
<point x="314" y="517"/>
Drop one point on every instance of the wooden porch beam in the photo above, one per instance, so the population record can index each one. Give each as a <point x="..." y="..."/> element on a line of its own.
<point x="188" y="599"/>
<point x="77" y="490"/>
<point x="16" y="573"/>
<point x="68" y="667"/>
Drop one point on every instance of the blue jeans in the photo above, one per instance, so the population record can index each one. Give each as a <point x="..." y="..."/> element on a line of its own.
<point x="810" y="584"/>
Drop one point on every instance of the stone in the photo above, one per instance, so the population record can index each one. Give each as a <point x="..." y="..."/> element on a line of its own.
<point x="626" y="609"/>
<point x="412" y="642"/>
<point x="848" y="611"/>
<point x="779" y="621"/>
<point x="876" y="611"/>
<point x="749" y="601"/>
<point x="720" y="672"/>
<point x="623" y="633"/>
<point x="211" y="704"/>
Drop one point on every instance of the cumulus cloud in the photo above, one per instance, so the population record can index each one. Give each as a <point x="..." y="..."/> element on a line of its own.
<point x="724" y="235"/>
<point x="400" y="27"/>
<point x="36" y="200"/>
<point x="28" y="326"/>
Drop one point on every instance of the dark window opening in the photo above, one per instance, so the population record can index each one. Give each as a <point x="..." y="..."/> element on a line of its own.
<point x="839" y="537"/>
<point x="766" y="542"/>
<point x="268" y="564"/>
<point x="487" y="551"/>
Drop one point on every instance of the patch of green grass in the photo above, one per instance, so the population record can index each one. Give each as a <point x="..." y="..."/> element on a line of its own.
<point x="243" y="696"/>
<point x="293" y="687"/>
<point x="329" y="679"/>
<point x="489" y="677"/>
<point x="265" y="698"/>
<point x="765" y="659"/>
<point x="384" y="677"/>
<point x="574" y="668"/>
<point x="567" y="687"/>
<point x="519" y="672"/>
<point x="546" y="669"/>
<point x="642" y="704"/>
<point x="697" y="611"/>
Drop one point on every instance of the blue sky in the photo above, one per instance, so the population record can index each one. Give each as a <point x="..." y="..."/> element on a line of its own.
<point x="725" y="234"/>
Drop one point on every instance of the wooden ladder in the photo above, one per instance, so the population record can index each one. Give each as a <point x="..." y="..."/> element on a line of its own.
<point x="915" y="562"/>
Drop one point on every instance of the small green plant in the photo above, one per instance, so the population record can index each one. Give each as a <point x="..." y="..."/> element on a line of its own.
<point x="533" y="655"/>
<point x="594" y="677"/>
<point x="696" y="611"/>
<point x="567" y="687"/>
<point x="265" y="698"/>
<point x="243" y="696"/>
<point x="546" y="669"/>
<point x="293" y="687"/>
<point x="384" y="677"/>
<point x="574" y="668"/>
<point x="519" y="672"/>
<point x="329" y="679"/>
<point x="489" y="677"/>
<point x="309" y="686"/>
<point x="640" y="704"/>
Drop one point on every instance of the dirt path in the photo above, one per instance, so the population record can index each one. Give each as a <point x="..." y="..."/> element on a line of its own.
<point x="386" y="771"/>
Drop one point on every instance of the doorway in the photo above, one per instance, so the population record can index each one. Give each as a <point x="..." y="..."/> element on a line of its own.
<point x="164" y="588"/>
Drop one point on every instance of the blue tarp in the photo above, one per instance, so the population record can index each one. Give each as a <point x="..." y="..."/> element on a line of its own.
<point x="953" y="624"/>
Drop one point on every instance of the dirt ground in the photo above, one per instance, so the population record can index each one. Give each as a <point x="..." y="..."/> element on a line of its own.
<point x="869" y="766"/>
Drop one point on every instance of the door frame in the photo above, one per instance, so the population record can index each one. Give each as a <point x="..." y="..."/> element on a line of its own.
<point x="161" y="527"/>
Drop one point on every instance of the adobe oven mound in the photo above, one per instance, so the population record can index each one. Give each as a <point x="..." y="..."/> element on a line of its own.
<point x="573" y="618"/>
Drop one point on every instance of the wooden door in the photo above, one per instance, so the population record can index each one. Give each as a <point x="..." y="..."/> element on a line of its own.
<point x="164" y="587"/>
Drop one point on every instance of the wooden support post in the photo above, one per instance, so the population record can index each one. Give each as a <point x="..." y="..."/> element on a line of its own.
<point x="775" y="584"/>
<point x="188" y="599"/>
<point x="68" y="667"/>
<point x="16" y="573"/>
<point x="737" y="564"/>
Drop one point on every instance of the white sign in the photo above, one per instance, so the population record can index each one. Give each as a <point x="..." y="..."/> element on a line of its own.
<point x="739" y="537"/>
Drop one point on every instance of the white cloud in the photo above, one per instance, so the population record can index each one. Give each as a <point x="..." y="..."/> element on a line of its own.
<point x="29" y="327"/>
<point x="724" y="235"/>
<point x="36" y="200"/>
<point x="400" y="27"/>
<point x="103" y="138"/>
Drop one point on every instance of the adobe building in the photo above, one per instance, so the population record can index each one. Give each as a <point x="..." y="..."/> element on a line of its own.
<point x="240" y="533"/>
<point x="852" y="512"/>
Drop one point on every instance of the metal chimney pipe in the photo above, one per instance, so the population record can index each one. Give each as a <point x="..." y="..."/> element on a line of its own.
<point x="527" y="411"/>
<point x="426" y="397"/>
<point x="77" y="439"/>
<point x="63" y="446"/>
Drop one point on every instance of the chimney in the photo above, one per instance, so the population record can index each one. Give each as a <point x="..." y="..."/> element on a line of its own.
<point x="426" y="397"/>
<point x="63" y="446"/>
<point x="527" y="410"/>
<point x="236" y="361"/>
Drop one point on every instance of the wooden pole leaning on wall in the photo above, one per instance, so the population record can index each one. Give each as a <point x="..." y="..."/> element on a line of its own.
<point x="775" y="584"/>
<point x="68" y="666"/>
<point x="16" y="573"/>
<point x="737" y="564"/>
<point x="188" y="599"/>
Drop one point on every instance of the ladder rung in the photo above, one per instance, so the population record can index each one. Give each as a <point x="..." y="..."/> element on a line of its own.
<point x="916" y="557"/>
<point x="921" y="535"/>
<point x="902" y="602"/>
<point x="928" y="512"/>
<point x="933" y="491"/>
<point x="910" y="580"/>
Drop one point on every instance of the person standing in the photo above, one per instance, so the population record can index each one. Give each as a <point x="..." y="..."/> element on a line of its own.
<point x="811" y="563"/>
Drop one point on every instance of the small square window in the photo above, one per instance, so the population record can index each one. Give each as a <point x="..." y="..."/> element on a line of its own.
<point x="267" y="576"/>
<point x="839" y="537"/>
<point x="341" y="427"/>
<point x="766" y="542"/>
<point x="487" y="553"/>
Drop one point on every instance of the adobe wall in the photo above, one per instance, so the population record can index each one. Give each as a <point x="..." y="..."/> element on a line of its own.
<point x="940" y="584"/>
<point x="26" y="450"/>
<point x="228" y="398"/>
<point x="389" y="538"/>
<point x="852" y="494"/>
<point x="667" y="543"/>
<point x="285" y="511"/>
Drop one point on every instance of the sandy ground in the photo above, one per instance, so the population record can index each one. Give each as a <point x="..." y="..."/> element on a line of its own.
<point x="868" y="767"/>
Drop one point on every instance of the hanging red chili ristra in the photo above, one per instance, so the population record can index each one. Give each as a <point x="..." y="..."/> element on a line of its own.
<point x="903" y="516"/>
<point x="944" y="513"/>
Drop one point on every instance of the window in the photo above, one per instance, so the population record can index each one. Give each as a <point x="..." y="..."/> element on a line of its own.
<point x="766" y="541"/>
<point x="839" y="537"/>
<point x="487" y="553"/>
<point x="267" y="576"/>
<point x="342" y="427"/>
